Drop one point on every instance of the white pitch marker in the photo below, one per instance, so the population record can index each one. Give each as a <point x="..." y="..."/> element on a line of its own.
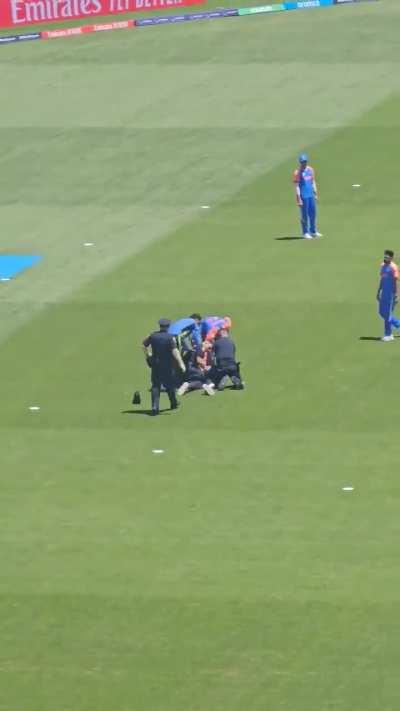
<point x="157" y="451"/>
<point x="347" y="488"/>
<point x="356" y="185"/>
<point x="88" y="244"/>
<point x="205" y="207"/>
<point x="34" y="408"/>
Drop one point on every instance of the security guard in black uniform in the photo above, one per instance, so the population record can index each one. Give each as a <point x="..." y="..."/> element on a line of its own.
<point x="162" y="354"/>
<point x="225" y="362"/>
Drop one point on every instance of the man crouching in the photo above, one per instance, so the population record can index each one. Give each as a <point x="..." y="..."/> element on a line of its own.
<point x="225" y="362"/>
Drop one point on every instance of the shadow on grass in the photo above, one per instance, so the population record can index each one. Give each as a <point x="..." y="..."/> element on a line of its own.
<point x="143" y="412"/>
<point x="286" y="239"/>
<point x="370" y="338"/>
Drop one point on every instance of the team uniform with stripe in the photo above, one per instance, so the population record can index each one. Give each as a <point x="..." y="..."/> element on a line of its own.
<point x="389" y="273"/>
<point x="304" y="178"/>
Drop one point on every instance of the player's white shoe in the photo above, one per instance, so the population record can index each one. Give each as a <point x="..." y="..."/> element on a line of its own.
<point x="209" y="388"/>
<point x="307" y="236"/>
<point x="317" y="234"/>
<point x="183" y="389"/>
<point x="388" y="338"/>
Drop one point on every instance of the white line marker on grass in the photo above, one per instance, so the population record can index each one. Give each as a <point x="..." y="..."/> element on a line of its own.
<point x="88" y="244"/>
<point x="157" y="451"/>
<point x="205" y="207"/>
<point x="347" y="488"/>
<point x="356" y="185"/>
<point x="34" y="408"/>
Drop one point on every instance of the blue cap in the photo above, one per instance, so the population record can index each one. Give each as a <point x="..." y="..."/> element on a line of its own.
<point x="303" y="158"/>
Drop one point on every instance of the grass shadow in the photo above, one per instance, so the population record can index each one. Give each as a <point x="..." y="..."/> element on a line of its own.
<point x="143" y="412"/>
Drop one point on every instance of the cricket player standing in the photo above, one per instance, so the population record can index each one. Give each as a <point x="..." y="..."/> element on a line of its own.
<point x="306" y="197"/>
<point x="387" y="293"/>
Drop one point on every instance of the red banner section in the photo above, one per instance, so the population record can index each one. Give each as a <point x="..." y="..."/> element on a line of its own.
<point x="86" y="29"/>
<point x="20" y="13"/>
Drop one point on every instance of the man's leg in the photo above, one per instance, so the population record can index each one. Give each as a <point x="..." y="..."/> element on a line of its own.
<point x="385" y="313"/>
<point x="168" y="382"/>
<point x="223" y="382"/>
<point x="312" y="214"/>
<point x="172" y="398"/>
<point x="388" y="327"/>
<point x="219" y="377"/>
<point x="235" y="377"/>
<point x="393" y="320"/>
<point x="156" y="383"/>
<point x="155" y="395"/>
<point x="195" y="385"/>
<point x="304" y="218"/>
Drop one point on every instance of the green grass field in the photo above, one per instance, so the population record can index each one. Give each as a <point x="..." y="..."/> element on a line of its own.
<point x="231" y="572"/>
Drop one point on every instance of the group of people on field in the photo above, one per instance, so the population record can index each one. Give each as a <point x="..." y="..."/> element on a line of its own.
<point x="306" y="192"/>
<point x="192" y="353"/>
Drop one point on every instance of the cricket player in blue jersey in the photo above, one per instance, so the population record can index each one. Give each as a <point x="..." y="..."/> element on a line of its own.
<point x="191" y="325"/>
<point x="387" y="293"/>
<point x="306" y="197"/>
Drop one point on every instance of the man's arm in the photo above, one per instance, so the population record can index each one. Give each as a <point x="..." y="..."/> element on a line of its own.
<point x="395" y="284"/>
<point x="378" y="294"/>
<point x="146" y="347"/>
<point x="296" y="180"/>
<point x="146" y="343"/>
<point x="178" y="359"/>
<point x="201" y="360"/>
<point x="314" y="185"/>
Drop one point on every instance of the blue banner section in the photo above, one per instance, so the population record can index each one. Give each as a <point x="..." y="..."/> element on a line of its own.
<point x="307" y="4"/>
<point x="171" y="19"/>
<point x="19" y="38"/>
<point x="8" y="40"/>
<point x="13" y="264"/>
<point x="347" y="2"/>
<point x="30" y="36"/>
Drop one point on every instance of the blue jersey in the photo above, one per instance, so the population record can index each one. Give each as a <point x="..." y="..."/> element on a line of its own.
<point x="305" y="180"/>
<point x="389" y="274"/>
<point x="186" y="324"/>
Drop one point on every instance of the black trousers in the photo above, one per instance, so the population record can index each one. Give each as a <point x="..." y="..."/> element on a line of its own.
<point x="230" y="370"/>
<point x="162" y="377"/>
<point x="196" y="378"/>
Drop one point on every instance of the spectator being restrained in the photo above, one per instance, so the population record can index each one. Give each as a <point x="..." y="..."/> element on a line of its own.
<point x="198" y="368"/>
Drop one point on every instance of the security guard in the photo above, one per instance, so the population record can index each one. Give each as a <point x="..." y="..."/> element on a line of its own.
<point x="225" y="362"/>
<point x="161" y="354"/>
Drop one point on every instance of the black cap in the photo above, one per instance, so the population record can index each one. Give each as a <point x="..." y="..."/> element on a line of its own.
<point x="164" y="322"/>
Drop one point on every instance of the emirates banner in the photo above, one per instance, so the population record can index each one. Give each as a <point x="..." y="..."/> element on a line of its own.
<point x="20" y="13"/>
